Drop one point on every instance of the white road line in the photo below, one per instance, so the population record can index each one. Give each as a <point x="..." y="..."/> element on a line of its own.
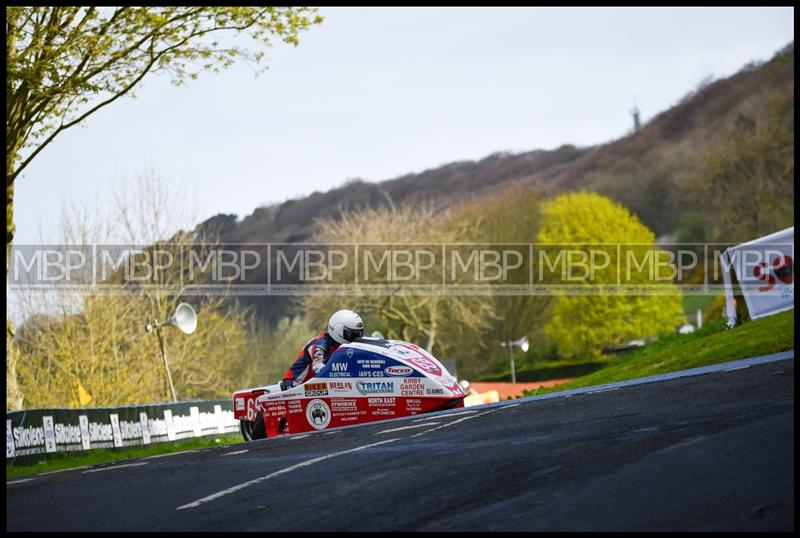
<point x="603" y="390"/>
<point x="235" y="452"/>
<point x="455" y="422"/>
<point x="507" y="406"/>
<point x="243" y="485"/>
<point x="408" y="428"/>
<point x="298" y="436"/>
<point x="738" y="368"/>
<point x="435" y="417"/>
<point x="20" y="481"/>
<point x="115" y="467"/>
<point x="64" y="470"/>
<point x="332" y="432"/>
<point x="170" y="454"/>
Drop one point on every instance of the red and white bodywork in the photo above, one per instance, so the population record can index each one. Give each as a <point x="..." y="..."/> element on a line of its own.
<point x="367" y="380"/>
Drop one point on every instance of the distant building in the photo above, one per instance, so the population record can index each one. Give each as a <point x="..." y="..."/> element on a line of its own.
<point x="636" y="123"/>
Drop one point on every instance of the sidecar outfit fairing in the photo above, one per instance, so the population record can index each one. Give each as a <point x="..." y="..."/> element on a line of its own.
<point x="367" y="380"/>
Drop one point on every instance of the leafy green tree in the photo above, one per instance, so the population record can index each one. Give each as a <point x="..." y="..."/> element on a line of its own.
<point x="65" y="63"/>
<point x="583" y="323"/>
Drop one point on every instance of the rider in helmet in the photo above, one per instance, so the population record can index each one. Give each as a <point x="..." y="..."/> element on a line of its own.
<point x="344" y="326"/>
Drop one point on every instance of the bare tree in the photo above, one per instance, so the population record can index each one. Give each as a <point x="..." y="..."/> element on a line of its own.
<point x="435" y="320"/>
<point x="90" y="342"/>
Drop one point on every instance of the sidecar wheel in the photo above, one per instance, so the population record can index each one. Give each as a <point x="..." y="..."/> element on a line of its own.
<point x="253" y="430"/>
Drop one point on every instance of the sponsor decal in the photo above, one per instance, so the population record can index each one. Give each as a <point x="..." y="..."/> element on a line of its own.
<point x="339" y="369"/>
<point x="371" y="367"/>
<point x="371" y="363"/>
<point x="450" y="382"/>
<point x="75" y="431"/>
<point x="380" y="401"/>
<point x="340" y="386"/>
<point x="318" y="414"/>
<point x="9" y="440"/>
<point x="115" y="429"/>
<point x="99" y="431"/>
<point x="29" y="436"/>
<point x="350" y="352"/>
<point x="375" y="387"/>
<point x="347" y="410"/>
<point x="398" y="370"/>
<point x="446" y="379"/>
<point x="370" y="373"/>
<point x="404" y="352"/>
<point x="414" y="405"/>
<point x="295" y="406"/>
<point x="68" y="434"/>
<point x="434" y="392"/>
<point x="412" y="387"/>
<point x="240" y="404"/>
<point x="455" y="389"/>
<point x="427" y="365"/>
<point x="86" y="441"/>
<point x="130" y="430"/>
<point x="49" y="434"/>
<point x="315" y="389"/>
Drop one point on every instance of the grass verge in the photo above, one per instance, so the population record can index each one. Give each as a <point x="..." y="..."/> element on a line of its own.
<point x="541" y="369"/>
<point x="68" y="460"/>
<point x="712" y="344"/>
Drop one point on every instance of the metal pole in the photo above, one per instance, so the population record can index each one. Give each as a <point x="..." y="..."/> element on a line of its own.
<point x="511" y="354"/>
<point x="166" y="365"/>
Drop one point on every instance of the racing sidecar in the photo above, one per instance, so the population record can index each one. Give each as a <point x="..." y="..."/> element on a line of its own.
<point x="367" y="380"/>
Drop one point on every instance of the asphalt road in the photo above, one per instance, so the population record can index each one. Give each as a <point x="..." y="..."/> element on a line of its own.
<point x="711" y="452"/>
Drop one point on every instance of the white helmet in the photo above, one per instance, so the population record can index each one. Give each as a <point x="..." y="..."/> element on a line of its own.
<point x="345" y="326"/>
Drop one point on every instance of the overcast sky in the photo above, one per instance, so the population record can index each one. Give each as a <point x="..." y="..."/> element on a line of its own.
<point x="376" y="93"/>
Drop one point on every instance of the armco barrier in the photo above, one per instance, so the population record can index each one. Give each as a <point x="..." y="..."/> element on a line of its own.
<point x="45" y="431"/>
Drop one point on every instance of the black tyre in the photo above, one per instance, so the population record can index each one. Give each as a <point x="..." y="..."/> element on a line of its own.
<point x="246" y="427"/>
<point x="253" y="430"/>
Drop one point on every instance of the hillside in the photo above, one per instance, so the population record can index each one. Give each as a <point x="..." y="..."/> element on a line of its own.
<point x="724" y="143"/>
<point x="647" y="171"/>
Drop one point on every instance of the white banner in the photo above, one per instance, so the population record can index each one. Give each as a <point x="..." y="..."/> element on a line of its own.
<point x="49" y="434"/>
<point x="765" y="270"/>
<point x="30" y="433"/>
<point x="86" y="441"/>
<point x="9" y="440"/>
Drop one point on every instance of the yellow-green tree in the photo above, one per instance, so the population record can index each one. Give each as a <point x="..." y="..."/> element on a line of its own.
<point x="102" y="356"/>
<point x="595" y="312"/>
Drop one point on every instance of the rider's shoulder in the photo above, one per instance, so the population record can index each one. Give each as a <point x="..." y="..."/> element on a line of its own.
<point x="321" y="339"/>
